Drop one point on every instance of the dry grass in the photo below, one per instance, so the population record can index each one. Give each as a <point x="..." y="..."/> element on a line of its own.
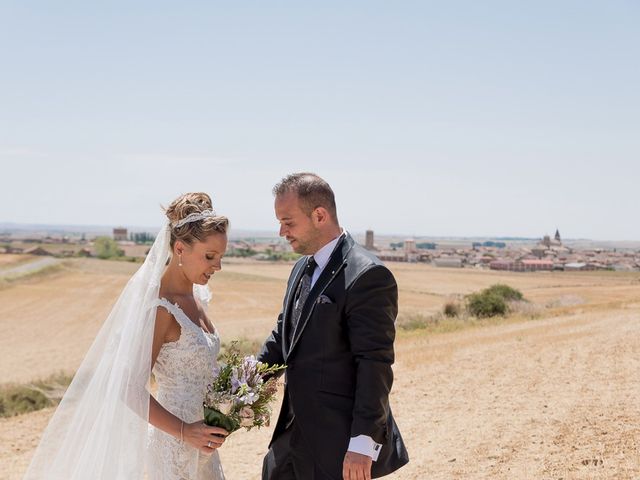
<point x="39" y="274"/>
<point x="17" y="399"/>
<point x="49" y="321"/>
<point x="505" y="398"/>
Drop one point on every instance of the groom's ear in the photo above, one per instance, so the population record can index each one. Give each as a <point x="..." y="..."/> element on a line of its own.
<point x="320" y="216"/>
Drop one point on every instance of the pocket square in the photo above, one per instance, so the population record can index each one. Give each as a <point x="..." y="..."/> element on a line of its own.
<point x="323" y="299"/>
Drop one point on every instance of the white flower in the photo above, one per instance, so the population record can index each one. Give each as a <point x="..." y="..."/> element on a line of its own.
<point x="250" y="397"/>
<point x="246" y="416"/>
<point x="238" y="379"/>
<point x="222" y="402"/>
<point x="250" y="363"/>
<point x="225" y="406"/>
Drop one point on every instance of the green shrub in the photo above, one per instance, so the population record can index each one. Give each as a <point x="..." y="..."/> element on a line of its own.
<point x="493" y="301"/>
<point x="507" y="293"/>
<point x="486" y="304"/>
<point x="107" y="248"/>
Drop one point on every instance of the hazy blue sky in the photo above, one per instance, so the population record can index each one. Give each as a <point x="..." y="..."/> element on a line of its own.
<point x="505" y="118"/>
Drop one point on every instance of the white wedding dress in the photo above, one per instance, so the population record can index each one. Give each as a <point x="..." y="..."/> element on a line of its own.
<point x="101" y="429"/>
<point x="182" y="371"/>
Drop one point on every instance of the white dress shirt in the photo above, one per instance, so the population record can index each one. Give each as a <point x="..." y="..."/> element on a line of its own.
<point x="362" y="444"/>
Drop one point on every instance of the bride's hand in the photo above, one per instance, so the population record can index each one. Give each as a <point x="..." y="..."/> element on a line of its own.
<point x="203" y="437"/>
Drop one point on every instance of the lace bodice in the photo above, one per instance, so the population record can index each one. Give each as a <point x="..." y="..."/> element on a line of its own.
<point x="182" y="371"/>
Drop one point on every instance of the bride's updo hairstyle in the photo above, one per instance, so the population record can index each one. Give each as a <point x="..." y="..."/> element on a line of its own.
<point x="189" y="232"/>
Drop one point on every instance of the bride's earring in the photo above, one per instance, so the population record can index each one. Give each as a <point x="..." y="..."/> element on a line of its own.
<point x="179" y="259"/>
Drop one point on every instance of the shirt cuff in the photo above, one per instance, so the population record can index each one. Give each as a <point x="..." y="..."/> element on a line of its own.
<point x="365" y="445"/>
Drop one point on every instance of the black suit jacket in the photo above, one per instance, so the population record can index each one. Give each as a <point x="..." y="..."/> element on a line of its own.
<point x="339" y="373"/>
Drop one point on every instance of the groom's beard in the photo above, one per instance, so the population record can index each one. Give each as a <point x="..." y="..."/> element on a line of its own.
<point x="307" y="246"/>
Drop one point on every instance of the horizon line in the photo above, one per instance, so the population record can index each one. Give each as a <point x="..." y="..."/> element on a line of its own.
<point x="273" y="233"/>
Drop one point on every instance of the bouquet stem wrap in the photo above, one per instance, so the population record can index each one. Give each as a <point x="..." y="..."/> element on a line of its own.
<point x="214" y="418"/>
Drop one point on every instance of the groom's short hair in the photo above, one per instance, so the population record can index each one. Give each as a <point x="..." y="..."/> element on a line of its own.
<point x="312" y="191"/>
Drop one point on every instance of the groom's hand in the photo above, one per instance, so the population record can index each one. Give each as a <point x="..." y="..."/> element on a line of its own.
<point x="356" y="467"/>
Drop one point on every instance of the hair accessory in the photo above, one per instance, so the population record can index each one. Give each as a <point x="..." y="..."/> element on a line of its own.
<point x="194" y="217"/>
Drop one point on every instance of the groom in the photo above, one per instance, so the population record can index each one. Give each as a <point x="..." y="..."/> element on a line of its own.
<point x="335" y="334"/>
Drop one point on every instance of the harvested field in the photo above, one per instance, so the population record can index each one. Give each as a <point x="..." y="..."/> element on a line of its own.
<point x="555" y="397"/>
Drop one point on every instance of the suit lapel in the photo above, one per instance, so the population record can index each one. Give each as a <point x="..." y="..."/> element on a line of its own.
<point x="336" y="263"/>
<point x="298" y="271"/>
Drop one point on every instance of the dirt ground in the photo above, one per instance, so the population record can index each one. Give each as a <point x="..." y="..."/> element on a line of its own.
<point x="13" y="259"/>
<point x="556" y="397"/>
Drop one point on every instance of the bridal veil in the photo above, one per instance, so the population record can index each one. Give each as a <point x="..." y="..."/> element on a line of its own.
<point x="100" y="428"/>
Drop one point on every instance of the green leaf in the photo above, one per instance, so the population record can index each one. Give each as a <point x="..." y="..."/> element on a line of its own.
<point x="214" y="418"/>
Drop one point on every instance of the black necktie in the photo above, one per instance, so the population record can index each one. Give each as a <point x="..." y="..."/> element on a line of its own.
<point x="302" y="293"/>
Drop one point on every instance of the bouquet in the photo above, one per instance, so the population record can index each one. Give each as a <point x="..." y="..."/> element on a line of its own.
<point x="239" y="396"/>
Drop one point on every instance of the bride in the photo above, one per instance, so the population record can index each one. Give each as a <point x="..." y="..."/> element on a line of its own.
<point x="108" y="426"/>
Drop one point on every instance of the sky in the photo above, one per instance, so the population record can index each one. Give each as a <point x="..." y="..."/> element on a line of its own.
<point x="461" y="118"/>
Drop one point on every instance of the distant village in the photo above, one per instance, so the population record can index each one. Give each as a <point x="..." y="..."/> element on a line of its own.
<point x="550" y="253"/>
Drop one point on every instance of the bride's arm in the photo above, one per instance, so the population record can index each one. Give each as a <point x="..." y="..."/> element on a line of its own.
<point x="196" y="434"/>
